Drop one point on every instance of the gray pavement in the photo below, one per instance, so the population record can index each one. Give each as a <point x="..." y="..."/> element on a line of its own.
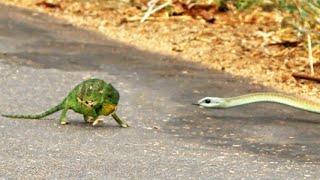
<point x="43" y="58"/>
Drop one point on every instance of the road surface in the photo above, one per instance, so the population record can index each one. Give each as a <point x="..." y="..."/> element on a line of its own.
<point x="43" y="58"/>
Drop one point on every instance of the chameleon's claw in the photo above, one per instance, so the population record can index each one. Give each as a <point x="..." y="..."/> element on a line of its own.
<point x="64" y="122"/>
<point x="124" y="125"/>
<point x="90" y="119"/>
<point x="117" y="119"/>
<point x="97" y="121"/>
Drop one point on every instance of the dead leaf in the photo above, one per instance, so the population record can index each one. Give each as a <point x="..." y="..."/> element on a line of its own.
<point x="48" y="4"/>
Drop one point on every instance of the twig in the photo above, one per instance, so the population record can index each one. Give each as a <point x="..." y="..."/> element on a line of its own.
<point x="310" y="55"/>
<point x="161" y="6"/>
<point x="135" y="18"/>
<point x="151" y="5"/>
<point x="306" y="76"/>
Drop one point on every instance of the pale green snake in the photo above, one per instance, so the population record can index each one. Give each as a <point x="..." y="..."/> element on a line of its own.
<point x="218" y="102"/>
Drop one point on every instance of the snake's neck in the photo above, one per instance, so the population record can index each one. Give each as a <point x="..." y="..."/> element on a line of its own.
<point x="273" y="98"/>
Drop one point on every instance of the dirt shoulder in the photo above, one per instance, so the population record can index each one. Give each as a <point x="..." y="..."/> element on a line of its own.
<point x="227" y="44"/>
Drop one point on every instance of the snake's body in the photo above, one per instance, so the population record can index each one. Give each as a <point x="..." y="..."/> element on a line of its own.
<point x="261" y="97"/>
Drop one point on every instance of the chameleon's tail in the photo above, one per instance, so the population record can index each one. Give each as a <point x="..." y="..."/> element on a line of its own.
<point x="38" y="115"/>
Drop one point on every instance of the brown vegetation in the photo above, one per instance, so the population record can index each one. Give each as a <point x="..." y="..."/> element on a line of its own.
<point x="257" y="44"/>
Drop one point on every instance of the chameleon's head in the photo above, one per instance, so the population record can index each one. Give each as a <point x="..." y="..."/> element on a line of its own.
<point x="211" y="102"/>
<point x="112" y="95"/>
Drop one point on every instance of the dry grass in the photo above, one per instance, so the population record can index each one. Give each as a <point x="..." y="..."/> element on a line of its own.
<point x="243" y="44"/>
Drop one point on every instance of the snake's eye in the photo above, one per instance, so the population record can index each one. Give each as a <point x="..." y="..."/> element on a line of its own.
<point x="207" y="101"/>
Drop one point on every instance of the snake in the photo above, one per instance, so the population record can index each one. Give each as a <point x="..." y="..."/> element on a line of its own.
<point x="280" y="98"/>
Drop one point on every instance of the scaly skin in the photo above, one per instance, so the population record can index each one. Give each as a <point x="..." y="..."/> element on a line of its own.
<point x="92" y="98"/>
<point x="218" y="102"/>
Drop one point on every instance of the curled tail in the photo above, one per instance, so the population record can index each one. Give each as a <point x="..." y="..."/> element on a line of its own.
<point x="38" y="115"/>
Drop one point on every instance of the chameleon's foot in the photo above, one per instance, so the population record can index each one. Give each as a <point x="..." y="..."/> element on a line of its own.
<point x="117" y="119"/>
<point x="124" y="125"/>
<point x="97" y="121"/>
<point x="64" y="122"/>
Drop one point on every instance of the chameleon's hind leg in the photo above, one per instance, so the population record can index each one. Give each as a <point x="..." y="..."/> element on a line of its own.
<point x="117" y="119"/>
<point x="63" y="119"/>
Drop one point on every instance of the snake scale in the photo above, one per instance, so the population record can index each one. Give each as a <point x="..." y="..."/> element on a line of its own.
<point x="218" y="102"/>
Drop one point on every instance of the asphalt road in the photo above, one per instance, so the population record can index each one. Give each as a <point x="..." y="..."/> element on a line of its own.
<point x="43" y="58"/>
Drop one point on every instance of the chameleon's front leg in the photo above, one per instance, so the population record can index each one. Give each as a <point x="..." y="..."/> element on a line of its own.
<point x="63" y="119"/>
<point x="116" y="118"/>
<point x="92" y="118"/>
<point x="95" y="121"/>
<point x="88" y="119"/>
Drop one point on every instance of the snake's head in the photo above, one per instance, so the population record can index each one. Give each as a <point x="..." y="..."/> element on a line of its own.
<point x="211" y="102"/>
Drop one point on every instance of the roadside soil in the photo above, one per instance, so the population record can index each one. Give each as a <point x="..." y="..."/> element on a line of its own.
<point x="244" y="44"/>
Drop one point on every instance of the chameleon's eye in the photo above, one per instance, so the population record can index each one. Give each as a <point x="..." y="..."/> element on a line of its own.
<point x="207" y="101"/>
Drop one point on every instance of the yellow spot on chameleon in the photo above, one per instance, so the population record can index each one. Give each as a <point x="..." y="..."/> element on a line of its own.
<point x="108" y="109"/>
<point x="86" y="103"/>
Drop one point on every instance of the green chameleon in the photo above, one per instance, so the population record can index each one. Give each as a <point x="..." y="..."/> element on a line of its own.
<point x="92" y="98"/>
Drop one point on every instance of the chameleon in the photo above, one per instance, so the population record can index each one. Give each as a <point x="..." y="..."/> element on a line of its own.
<point x="91" y="98"/>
